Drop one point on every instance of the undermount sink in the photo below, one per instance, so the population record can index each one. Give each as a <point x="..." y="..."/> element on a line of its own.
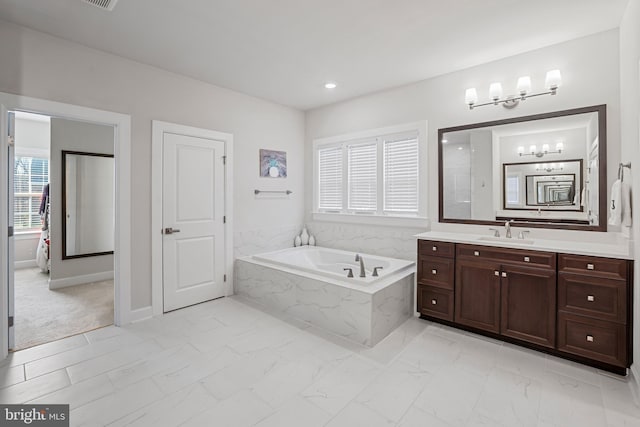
<point x="507" y="240"/>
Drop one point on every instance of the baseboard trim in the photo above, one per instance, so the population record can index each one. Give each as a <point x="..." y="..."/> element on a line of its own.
<point x="30" y="263"/>
<point x="140" y="314"/>
<point x="80" y="280"/>
<point x="634" y="384"/>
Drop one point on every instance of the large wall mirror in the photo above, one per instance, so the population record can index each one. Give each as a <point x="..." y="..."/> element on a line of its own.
<point x="546" y="170"/>
<point x="88" y="204"/>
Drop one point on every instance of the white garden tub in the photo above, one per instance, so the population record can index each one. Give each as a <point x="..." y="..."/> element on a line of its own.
<point x="309" y="283"/>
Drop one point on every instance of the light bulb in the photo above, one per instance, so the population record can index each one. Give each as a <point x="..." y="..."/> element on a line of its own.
<point x="471" y="96"/>
<point x="521" y="150"/>
<point x="495" y="91"/>
<point x="553" y="80"/>
<point x="532" y="149"/>
<point x="545" y="148"/>
<point x="524" y="85"/>
<point x="559" y="146"/>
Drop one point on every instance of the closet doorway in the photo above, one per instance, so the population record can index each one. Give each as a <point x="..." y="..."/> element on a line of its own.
<point x="63" y="227"/>
<point x="121" y="125"/>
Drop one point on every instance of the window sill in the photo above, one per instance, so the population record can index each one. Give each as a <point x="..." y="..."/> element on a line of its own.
<point x="26" y="235"/>
<point x="386" y="220"/>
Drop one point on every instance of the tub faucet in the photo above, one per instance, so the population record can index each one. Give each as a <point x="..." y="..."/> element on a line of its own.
<point x="359" y="258"/>
<point x="507" y="225"/>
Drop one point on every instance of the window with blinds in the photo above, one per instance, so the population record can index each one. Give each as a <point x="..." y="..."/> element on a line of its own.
<point x="362" y="177"/>
<point x="31" y="174"/>
<point x="330" y="179"/>
<point x="401" y="174"/>
<point x="376" y="175"/>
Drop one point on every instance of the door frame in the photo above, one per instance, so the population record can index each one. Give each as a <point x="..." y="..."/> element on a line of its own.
<point x="122" y="154"/>
<point x="159" y="128"/>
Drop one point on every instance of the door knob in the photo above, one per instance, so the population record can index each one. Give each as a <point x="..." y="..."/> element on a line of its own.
<point x="170" y="230"/>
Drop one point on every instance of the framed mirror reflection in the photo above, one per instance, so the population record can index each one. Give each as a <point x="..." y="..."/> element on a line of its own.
<point x="546" y="170"/>
<point x="88" y="204"/>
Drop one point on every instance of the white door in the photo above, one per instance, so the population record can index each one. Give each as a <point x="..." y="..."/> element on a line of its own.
<point x="11" y="249"/>
<point x="192" y="220"/>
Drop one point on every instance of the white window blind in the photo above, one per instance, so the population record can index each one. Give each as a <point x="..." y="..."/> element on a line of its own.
<point x="363" y="182"/>
<point x="330" y="178"/>
<point x="401" y="174"/>
<point x="30" y="176"/>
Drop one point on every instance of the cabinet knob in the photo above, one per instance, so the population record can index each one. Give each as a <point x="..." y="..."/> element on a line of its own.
<point x="589" y="338"/>
<point x="434" y="248"/>
<point x="526" y="259"/>
<point x="504" y="274"/>
<point x="591" y="267"/>
<point x="496" y="273"/>
<point x="434" y="302"/>
<point x="591" y="298"/>
<point x="434" y="271"/>
<point x="476" y="253"/>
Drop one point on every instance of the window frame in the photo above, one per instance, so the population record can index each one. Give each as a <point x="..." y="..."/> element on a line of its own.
<point x="379" y="216"/>
<point x="36" y="153"/>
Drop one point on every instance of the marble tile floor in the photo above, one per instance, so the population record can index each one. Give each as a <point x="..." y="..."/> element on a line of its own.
<point x="227" y="363"/>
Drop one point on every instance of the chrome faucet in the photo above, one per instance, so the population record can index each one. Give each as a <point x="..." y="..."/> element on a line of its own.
<point x="359" y="258"/>
<point x="507" y="226"/>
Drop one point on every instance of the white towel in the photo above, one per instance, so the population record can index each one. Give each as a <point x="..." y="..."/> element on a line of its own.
<point x="626" y="204"/>
<point x="615" y="208"/>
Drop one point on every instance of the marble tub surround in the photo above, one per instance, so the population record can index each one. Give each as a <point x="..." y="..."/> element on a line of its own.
<point x="393" y="242"/>
<point x="610" y="245"/>
<point x="361" y="313"/>
<point x="256" y="241"/>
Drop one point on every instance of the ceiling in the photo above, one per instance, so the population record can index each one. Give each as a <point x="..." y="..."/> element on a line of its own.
<point x="285" y="50"/>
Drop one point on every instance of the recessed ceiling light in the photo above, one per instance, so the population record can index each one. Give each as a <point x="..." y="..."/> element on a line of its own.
<point x="330" y="85"/>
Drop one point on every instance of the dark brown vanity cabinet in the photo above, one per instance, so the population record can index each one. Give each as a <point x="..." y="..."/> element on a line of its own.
<point x="510" y="292"/>
<point x="435" y="279"/>
<point x="594" y="312"/>
<point x="574" y="306"/>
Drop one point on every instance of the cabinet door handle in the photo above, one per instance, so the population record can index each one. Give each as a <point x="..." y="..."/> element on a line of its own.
<point x="434" y="248"/>
<point x="504" y="274"/>
<point x="476" y="253"/>
<point x="591" y="267"/>
<point x="589" y="338"/>
<point x="434" y="271"/>
<point x="434" y="302"/>
<point x="496" y="273"/>
<point x="526" y="259"/>
<point x="591" y="298"/>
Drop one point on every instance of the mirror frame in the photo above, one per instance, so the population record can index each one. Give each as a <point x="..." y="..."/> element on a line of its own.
<point x="539" y="223"/>
<point x="64" y="204"/>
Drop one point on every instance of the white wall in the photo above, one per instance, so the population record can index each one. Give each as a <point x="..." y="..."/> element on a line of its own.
<point x="590" y="70"/>
<point x="630" y="137"/>
<point x="38" y="65"/>
<point x="71" y="135"/>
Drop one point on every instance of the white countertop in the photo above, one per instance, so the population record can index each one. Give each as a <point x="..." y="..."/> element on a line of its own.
<point x="622" y="249"/>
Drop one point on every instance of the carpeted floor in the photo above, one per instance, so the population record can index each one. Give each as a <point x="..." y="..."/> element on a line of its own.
<point x="43" y="315"/>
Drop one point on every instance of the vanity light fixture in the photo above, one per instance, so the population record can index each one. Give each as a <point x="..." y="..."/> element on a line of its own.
<point x="533" y="150"/>
<point x="553" y="81"/>
<point x="550" y="167"/>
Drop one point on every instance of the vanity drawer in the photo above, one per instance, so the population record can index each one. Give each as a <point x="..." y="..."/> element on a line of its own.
<point x="597" y="297"/>
<point x="433" y="248"/>
<point x="593" y="266"/>
<point x="435" y="302"/>
<point x="508" y="255"/>
<point x="436" y="271"/>
<point x="592" y="338"/>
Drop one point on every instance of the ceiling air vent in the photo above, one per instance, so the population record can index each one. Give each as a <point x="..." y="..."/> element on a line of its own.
<point x="103" y="4"/>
